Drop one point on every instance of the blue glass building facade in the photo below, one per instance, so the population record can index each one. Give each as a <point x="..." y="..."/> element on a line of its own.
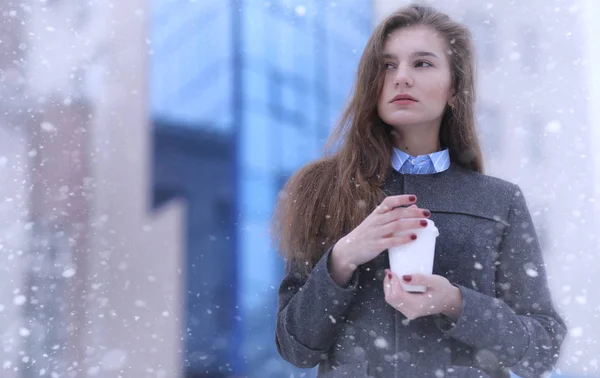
<point x="242" y="94"/>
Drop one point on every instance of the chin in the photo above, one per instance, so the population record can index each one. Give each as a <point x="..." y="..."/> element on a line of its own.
<point x="404" y="121"/>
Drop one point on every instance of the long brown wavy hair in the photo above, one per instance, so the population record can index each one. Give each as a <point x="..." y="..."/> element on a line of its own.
<point x="329" y="197"/>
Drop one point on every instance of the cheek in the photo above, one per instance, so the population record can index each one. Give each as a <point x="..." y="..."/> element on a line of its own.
<point x="440" y="86"/>
<point x="439" y="91"/>
<point x="383" y="96"/>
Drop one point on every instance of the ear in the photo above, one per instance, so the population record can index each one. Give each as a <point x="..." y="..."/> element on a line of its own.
<point x="452" y="99"/>
<point x="451" y="102"/>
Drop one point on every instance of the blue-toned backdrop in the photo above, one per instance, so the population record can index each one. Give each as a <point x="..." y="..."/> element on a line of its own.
<point x="242" y="93"/>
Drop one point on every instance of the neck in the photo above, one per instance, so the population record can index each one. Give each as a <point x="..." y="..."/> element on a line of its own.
<point x="417" y="141"/>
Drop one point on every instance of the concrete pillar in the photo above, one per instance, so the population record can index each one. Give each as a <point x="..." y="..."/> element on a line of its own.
<point x="99" y="260"/>
<point x="136" y="263"/>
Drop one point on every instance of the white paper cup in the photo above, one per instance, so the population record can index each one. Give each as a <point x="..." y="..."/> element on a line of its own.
<point x="416" y="256"/>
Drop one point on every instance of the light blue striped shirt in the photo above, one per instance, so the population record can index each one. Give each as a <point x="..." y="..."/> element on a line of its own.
<point x="420" y="165"/>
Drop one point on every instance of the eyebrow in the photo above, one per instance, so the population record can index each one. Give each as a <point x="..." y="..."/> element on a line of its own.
<point x="415" y="54"/>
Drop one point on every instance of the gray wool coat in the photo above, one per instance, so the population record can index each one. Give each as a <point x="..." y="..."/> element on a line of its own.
<point x="487" y="247"/>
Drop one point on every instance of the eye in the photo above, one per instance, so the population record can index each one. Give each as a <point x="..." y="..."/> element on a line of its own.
<point x="389" y="66"/>
<point x="423" y="63"/>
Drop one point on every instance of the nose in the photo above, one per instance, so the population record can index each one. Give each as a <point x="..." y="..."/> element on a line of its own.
<point x="404" y="78"/>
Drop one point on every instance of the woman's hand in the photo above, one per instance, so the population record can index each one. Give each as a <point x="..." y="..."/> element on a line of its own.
<point x="441" y="296"/>
<point x="376" y="234"/>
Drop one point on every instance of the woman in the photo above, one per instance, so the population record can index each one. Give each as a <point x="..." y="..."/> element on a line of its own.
<point x="407" y="138"/>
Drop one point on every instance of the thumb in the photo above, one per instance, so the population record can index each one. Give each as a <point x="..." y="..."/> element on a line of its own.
<point x="416" y="279"/>
<point x="387" y="284"/>
<point x="391" y="283"/>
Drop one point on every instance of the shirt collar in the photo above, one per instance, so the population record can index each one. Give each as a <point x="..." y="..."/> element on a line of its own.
<point x="440" y="159"/>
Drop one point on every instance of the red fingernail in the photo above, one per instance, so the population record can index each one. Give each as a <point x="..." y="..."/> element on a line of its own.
<point x="424" y="223"/>
<point x="426" y="213"/>
<point x="407" y="278"/>
<point x="390" y="276"/>
<point x="412" y="198"/>
<point x="413" y="237"/>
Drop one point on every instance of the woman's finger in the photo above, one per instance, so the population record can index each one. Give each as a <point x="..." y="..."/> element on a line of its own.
<point x="387" y="286"/>
<point x="391" y="202"/>
<point x="400" y="225"/>
<point x="402" y="213"/>
<point x="395" y="241"/>
<point x="421" y="280"/>
<point x="394" y="288"/>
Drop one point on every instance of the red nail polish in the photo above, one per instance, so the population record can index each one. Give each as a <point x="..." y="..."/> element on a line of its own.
<point x="390" y="276"/>
<point x="412" y="198"/>
<point x="413" y="237"/>
<point x="424" y="223"/>
<point x="407" y="278"/>
<point x="426" y="213"/>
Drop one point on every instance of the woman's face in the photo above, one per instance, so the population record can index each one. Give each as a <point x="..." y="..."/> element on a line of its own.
<point x="417" y="85"/>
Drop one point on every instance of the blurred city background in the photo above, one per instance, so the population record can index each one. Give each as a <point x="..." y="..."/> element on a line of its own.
<point x="143" y="143"/>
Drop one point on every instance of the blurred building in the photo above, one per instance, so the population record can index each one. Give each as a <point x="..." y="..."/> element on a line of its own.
<point x="534" y="119"/>
<point x="243" y="93"/>
<point x="92" y="283"/>
<point x="13" y="207"/>
<point x="143" y="146"/>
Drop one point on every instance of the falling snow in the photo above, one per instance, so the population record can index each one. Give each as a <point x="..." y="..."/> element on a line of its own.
<point x="47" y="126"/>
<point x="531" y="272"/>
<point x="553" y="127"/>
<point x="576" y="332"/>
<point x="94" y="236"/>
<point x="20" y="300"/>
<point x="300" y="10"/>
<point x="68" y="273"/>
<point x="381" y="343"/>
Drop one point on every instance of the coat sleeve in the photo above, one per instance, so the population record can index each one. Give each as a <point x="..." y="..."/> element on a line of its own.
<point x="310" y="311"/>
<point x="520" y="329"/>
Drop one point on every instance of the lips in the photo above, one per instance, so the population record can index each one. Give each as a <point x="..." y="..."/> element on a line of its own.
<point x="403" y="98"/>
